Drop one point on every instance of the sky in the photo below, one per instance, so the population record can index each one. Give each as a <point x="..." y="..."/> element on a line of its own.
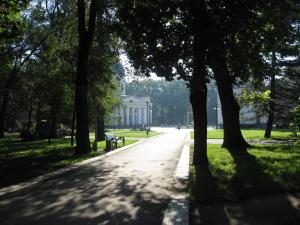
<point x="130" y="71"/>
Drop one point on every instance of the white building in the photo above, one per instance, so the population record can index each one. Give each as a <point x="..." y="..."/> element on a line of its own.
<point x="248" y="116"/>
<point x="134" y="112"/>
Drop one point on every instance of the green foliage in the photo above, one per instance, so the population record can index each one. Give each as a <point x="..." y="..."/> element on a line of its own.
<point x="296" y="112"/>
<point x="262" y="171"/>
<point x="10" y="19"/>
<point x="250" y="97"/>
<point x="295" y="125"/>
<point x="44" y="56"/>
<point x="258" y="100"/>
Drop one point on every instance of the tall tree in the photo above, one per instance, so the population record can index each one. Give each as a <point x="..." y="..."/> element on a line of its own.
<point x="86" y="30"/>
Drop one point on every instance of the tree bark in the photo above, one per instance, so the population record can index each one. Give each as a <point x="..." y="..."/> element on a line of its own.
<point x="198" y="94"/>
<point x="82" y="125"/>
<point x="233" y="138"/>
<point x="38" y="119"/>
<point x="29" y="115"/>
<point x="100" y="127"/>
<point x="198" y="97"/>
<point x="271" y="109"/>
<point x="49" y="130"/>
<point x="81" y="90"/>
<point x="73" y="126"/>
<point x="5" y="99"/>
<point x="53" y="116"/>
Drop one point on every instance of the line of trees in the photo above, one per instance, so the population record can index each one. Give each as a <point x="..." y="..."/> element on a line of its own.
<point x="58" y="52"/>
<point x="199" y="40"/>
<point x="40" y="48"/>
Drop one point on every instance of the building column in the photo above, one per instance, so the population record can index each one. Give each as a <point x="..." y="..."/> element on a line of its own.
<point x="127" y="116"/>
<point x="132" y="116"/>
<point x="146" y="116"/>
<point x="121" y="115"/>
<point x="140" y="116"/>
<point x="136" y="116"/>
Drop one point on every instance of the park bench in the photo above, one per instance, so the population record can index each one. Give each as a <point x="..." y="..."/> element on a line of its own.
<point x="112" y="141"/>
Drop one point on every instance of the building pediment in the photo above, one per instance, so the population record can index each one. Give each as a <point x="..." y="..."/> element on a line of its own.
<point x="134" y="99"/>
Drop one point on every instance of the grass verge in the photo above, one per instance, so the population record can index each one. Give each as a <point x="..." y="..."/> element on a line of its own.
<point x="133" y="133"/>
<point x="254" y="134"/>
<point x="20" y="161"/>
<point x="261" y="171"/>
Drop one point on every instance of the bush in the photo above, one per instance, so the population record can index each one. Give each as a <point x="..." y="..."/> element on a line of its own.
<point x="295" y="125"/>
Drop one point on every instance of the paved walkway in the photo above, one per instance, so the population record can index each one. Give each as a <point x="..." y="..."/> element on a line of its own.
<point x="130" y="187"/>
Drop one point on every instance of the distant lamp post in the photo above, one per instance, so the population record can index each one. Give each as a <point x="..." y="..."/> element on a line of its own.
<point x="216" y="108"/>
<point x="150" y="117"/>
<point x="147" y="129"/>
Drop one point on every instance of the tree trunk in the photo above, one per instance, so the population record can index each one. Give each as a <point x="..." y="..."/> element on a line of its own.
<point x="5" y="99"/>
<point x="82" y="125"/>
<point x="198" y="97"/>
<point x="29" y="115"/>
<point x="271" y="110"/>
<point x="81" y="90"/>
<point x="198" y="94"/>
<point x="73" y="126"/>
<point x="38" y="119"/>
<point x="233" y="138"/>
<point x="13" y="122"/>
<point x="49" y="130"/>
<point x="100" y="127"/>
<point x="53" y="117"/>
<point x="3" y="111"/>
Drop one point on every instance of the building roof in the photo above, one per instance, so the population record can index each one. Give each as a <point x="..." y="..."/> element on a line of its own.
<point x="129" y="98"/>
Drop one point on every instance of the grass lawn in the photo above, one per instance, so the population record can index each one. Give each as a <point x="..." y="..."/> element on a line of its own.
<point x="20" y="160"/>
<point x="263" y="170"/>
<point x="253" y="134"/>
<point x="133" y="133"/>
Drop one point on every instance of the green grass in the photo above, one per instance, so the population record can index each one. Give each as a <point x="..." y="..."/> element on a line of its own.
<point x="253" y="134"/>
<point x="133" y="133"/>
<point x="20" y="160"/>
<point x="263" y="170"/>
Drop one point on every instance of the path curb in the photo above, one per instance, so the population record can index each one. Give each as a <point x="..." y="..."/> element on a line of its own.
<point x="177" y="212"/>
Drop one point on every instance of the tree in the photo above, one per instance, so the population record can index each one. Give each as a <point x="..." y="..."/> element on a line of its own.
<point x="10" y="19"/>
<point x="86" y="32"/>
<point x="20" y="54"/>
<point x="160" y="45"/>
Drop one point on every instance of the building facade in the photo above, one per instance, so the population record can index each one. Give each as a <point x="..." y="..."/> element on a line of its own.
<point x="132" y="112"/>
<point x="135" y="112"/>
<point x="248" y="115"/>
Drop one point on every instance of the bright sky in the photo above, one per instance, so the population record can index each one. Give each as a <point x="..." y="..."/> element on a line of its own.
<point x="130" y="71"/>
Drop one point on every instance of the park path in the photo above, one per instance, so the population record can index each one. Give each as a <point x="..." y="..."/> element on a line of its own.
<point x="130" y="187"/>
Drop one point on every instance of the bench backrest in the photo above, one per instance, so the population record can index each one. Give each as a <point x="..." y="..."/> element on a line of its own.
<point x="109" y="136"/>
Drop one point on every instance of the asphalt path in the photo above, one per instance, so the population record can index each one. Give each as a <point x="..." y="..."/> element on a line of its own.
<point x="130" y="187"/>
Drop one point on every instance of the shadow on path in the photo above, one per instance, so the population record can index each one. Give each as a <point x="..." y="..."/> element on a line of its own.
<point x="90" y="196"/>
